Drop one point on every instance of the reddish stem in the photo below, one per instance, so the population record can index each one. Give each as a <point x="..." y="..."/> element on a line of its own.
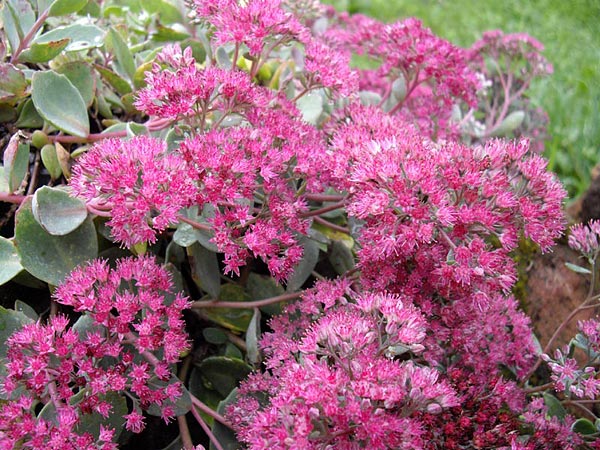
<point x="207" y="430"/>
<point x="29" y="36"/>
<point x="205" y="409"/>
<point x="10" y="198"/>
<point x="193" y="223"/>
<point x="245" y="305"/>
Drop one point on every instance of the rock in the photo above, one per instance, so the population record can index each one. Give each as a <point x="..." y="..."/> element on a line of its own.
<point x="553" y="291"/>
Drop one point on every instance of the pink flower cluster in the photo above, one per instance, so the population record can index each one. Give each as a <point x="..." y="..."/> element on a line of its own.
<point x="433" y="74"/>
<point x="507" y="63"/>
<point x="47" y="362"/>
<point x="134" y="331"/>
<point x="343" y="386"/>
<point x="178" y="88"/>
<point x="137" y="183"/>
<point x="254" y="23"/>
<point x="584" y="238"/>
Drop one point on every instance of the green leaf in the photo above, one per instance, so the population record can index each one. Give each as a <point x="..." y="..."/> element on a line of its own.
<point x="165" y="10"/>
<point x="236" y="319"/>
<point x="82" y="36"/>
<point x="252" y="338"/>
<point x="169" y="34"/>
<point x="205" y="269"/>
<point x="90" y="423"/>
<point x="7" y="113"/>
<point x="64" y="7"/>
<point x="584" y="426"/>
<point x="41" y="53"/>
<point x="210" y="397"/>
<point x="181" y="406"/>
<point x="29" y="117"/>
<point x="50" y="160"/>
<point x="223" y="434"/>
<point x="56" y="211"/>
<point x="311" y="107"/>
<point x="186" y="235"/>
<point x="306" y="265"/>
<point x="26" y="309"/>
<point x="260" y="287"/>
<point x="60" y="103"/>
<point x="578" y="269"/>
<point x="555" y="408"/>
<point x="10" y="263"/>
<point x="124" y="60"/>
<point x="222" y="373"/>
<point x="176" y="444"/>
<point x="136" y="129"/>
<point x="223" y="58"/>
<point x="51" y="258"/>
<point x="341" y="257"/>
<point x="214" y="335"/>
<point x="509" y="124"/>
<point x="83" y="78"/>
<point x="18" y="18"/>
<point x="64" y="159"/>
<point x="86" y="324"/>
<point x="120" y="84"/>
<point x="16" y="162"/>
<point x="13" y="86"/>
<point x="10" y="321"/>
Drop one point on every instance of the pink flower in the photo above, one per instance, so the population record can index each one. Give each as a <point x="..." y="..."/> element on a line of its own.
<point x="138" y="182"/>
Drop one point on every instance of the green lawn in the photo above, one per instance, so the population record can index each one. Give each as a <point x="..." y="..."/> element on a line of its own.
<point x="570" y="31"/>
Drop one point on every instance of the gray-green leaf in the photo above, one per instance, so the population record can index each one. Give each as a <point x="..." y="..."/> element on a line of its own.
<point x="56" y="211"/>
<point x="60" y="103"/>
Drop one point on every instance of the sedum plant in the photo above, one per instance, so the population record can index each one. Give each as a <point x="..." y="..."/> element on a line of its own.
<point x="245" y="231"/>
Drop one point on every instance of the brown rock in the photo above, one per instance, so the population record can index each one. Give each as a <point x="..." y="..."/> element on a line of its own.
<point x="553" y="291"/>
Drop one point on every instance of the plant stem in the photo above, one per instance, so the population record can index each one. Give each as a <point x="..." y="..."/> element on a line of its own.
<point x="193" y="223"/>
<point x="10" y="198"/>
<point x="324" y="197"/>
<point x="152" y="125"/>
<point x="29" y="36"/>
<point x="205" y="409"/>
<point x="204" y="426"/>
<point x="331" y="225"/>
<point x="184" y="432"/>
<point x="245" y="305"/>
<point x="323" y="210"/>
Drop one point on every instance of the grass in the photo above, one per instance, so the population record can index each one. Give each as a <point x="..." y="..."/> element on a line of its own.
<point x="570" y="32"/>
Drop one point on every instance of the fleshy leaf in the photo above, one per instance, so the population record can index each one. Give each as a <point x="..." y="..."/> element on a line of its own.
<point x="205" y="269"/>
<point x="16" y="162"/>
<point x="56" y="211"/>
<point x="29" y="117"/>
<point x="50" y="160"/>
<point x="26" y="309"/>
<point x="584" y="426"/>
<point x="235" y="319"/>
<point x="222" y="373"/>
<point x="47" y="257"/>
<point x="124" y="63"/>
<point x="64" y="7"/>
<point x="44" y="52"/>
<point x="10" y="263"/>
<point x="60" y="103"/>
<point x="10" y="321"/>
<point x="83" y="78"/>
<point x="82" y="36"/>
<point x="306" y="265"/>
<point x="13" y="85"/>
<point x="252" y="338"/>
<point x="223" y="434"/>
